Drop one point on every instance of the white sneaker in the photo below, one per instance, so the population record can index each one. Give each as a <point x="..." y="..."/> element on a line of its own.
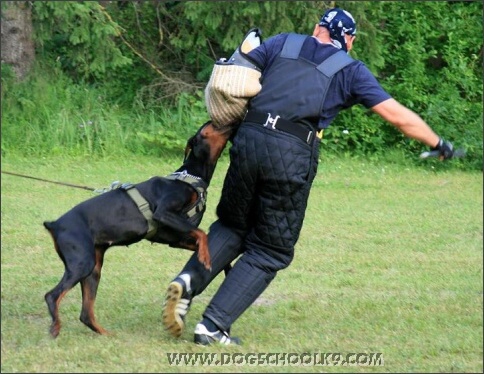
<point x="176" y="305"/>
<point x="205" y="337"/>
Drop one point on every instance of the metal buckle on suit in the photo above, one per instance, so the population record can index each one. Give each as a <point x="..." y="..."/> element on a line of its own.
<point x="319" y="135"/>
<point x="309" y="138"/>
<point x="271" y="121"/>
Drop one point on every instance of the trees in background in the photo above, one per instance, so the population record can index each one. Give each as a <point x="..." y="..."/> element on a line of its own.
<point x="149" y="54"/>
<point x="17" y="43"/>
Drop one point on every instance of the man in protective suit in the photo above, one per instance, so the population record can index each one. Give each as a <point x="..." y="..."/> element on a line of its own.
<point x="306" y="81"/>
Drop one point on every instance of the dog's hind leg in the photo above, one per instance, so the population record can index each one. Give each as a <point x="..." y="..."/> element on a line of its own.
<point x="53" y="299"/>
<point x="89" y="286"/>
<point x="79" y="262"/>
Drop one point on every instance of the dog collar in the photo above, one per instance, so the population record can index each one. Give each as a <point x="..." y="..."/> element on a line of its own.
<point x="199" y="185"/>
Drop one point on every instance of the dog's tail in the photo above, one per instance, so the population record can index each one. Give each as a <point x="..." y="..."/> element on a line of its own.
<point x="49" y="225"/>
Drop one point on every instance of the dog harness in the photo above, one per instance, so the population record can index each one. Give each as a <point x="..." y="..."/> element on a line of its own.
<point x="143" y="206"/>
<point x="198" y="207"/>
<point x="200" y="186"/>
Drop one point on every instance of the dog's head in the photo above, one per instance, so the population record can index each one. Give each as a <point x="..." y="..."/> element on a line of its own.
<point x="204" y="149"/>
<point x="209" y="142"/>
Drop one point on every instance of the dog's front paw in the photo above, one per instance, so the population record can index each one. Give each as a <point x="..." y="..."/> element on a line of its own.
<point x="205" y="260"/>
<point x="203" y="252"/>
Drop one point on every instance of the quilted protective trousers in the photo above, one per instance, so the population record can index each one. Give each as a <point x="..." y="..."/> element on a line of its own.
<point x="260" y="212"/>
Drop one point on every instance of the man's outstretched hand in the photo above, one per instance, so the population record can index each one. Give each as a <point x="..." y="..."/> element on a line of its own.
<point x="445" y="149"/>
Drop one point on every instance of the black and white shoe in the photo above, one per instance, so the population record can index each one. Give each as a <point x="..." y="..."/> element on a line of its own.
<point x="205" y="337"/>
<point x="176" y="305"/>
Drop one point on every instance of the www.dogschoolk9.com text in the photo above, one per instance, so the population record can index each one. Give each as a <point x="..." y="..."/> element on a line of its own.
<point x="275" y="359"/>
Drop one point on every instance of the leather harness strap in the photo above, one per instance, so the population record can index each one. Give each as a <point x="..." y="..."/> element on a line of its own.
<point x="144" y="206"/>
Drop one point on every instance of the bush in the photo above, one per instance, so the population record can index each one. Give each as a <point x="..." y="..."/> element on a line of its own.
<point x="141" y="92"/>
<point x="50" y="114"/>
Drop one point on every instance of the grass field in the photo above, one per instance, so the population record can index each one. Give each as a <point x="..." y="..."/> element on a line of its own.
<point x="389" y="261"/>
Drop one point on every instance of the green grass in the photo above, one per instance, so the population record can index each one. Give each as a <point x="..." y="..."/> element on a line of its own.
<point x="389" y="260"/>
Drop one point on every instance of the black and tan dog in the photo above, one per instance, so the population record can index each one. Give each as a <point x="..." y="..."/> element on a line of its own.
<point x="164" y="210"/>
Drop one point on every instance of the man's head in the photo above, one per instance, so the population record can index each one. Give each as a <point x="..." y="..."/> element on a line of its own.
<point x="341" y="26"/>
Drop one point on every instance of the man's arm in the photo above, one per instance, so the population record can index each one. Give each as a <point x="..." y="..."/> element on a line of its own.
<point x="407" y="121"/>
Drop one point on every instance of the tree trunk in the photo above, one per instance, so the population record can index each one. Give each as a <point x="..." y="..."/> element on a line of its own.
<point x="17" y="46"/>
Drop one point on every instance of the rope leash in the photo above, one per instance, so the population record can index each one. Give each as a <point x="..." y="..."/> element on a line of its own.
<point x="114" y="185"/>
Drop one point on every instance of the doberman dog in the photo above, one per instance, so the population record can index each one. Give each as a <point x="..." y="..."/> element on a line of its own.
<point x="164" y="210"/>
